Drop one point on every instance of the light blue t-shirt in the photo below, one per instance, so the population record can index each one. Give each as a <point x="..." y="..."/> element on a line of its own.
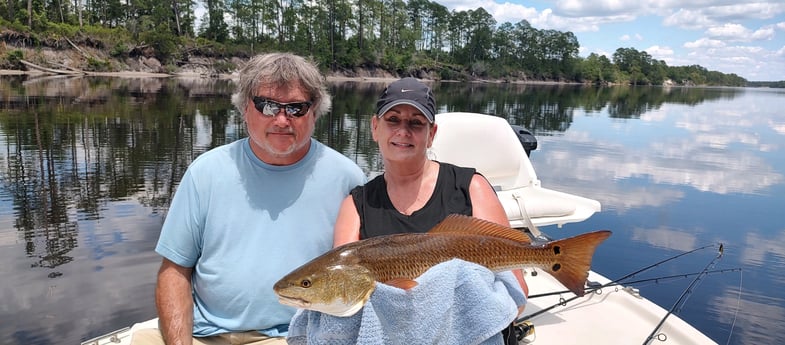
<point x="243" y="224"/>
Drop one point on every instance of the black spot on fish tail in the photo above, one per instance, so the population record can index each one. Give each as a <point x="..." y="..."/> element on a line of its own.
<point x="574" y="259"/>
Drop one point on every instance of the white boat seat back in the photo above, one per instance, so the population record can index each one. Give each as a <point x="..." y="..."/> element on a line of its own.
<point x="488" y="144"/>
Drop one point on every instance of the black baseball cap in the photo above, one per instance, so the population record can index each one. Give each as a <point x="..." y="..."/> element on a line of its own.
<point x="407" y="91"/>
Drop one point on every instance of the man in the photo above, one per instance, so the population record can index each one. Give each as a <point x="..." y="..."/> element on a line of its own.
<point x="248" y="212"/>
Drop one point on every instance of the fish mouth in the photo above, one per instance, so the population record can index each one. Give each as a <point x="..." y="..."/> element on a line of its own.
<point x="294" y="302"/>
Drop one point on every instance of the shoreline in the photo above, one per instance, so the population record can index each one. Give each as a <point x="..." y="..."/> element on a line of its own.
<point x="185" y="74"/>
<point x="197" y="75"/>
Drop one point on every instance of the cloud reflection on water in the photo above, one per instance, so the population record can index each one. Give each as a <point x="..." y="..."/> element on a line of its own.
<point x="702" y="157"/>
<point x="756" y="316"/>
<point x="666" y="238"/>
<point x="680" y="177"/>
<point x="758" y="249"/>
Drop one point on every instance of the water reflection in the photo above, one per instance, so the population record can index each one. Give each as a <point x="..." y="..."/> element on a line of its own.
<point x="74" y="144"/>
<point x="703" y="148"/>
<point x="759" y="249"/>
<point x="667" y="238"/>
<point x="765" y="315"/>
<point x="88" y="166"/>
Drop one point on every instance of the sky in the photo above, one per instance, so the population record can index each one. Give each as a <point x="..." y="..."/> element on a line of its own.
<point x="745" y="37"/>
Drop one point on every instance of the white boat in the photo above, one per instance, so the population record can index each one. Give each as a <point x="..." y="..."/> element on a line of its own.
<point x="611" y="315"/>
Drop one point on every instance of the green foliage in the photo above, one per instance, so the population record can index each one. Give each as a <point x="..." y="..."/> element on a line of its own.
<point x="170" y="68"/>
<point x="62" y="29"/>
<point x="411" y="37"/>
<point x="479" y="69"/>
<point x="98" y="65"/>
<point x="774" y="84"/>
<point x="13" y="25"/>
<point x="163" y="42"/>
<point x="119" y="50"/>
<point x="106" y="34"/>
<point x="13" y="60"/>
<point x="394" y="62"/>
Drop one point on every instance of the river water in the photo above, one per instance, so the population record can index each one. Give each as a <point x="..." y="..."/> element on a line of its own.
<point x="88" y="166"/>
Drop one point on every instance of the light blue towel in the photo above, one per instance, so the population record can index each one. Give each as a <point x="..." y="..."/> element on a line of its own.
<point x="455" y="302"/>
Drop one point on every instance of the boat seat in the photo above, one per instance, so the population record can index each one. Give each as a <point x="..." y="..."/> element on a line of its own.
<point x="488" y="144"/>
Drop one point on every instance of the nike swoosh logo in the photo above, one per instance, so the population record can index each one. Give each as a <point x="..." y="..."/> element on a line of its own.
<point x="405" y="90"/>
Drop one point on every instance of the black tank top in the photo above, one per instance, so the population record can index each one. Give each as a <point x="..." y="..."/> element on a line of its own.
<point x="378" y="216"/>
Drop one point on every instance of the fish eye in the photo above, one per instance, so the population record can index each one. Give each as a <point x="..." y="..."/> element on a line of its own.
<point x="305" y="283"/>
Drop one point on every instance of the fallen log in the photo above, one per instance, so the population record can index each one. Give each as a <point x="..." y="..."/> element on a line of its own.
<point x="50" y="70"/>
<point x="66" y="67"/>
<point x="77" y="48"/>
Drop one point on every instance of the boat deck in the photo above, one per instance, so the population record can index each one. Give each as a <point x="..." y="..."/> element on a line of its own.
<point x="612" y="315"/>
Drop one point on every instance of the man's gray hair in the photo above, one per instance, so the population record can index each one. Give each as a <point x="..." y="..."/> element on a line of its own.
<point x="282" y="69"/>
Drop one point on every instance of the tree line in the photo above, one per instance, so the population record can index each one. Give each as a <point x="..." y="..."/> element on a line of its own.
<point x="404" y="37"/>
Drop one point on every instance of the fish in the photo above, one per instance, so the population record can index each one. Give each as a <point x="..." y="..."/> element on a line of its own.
<point x="340" y="281"/>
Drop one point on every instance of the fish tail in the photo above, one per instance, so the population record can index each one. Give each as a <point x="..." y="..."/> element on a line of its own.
<point x="571" y="259"/>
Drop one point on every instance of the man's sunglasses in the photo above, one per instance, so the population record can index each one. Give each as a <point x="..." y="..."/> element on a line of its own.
<point x="271" y="108"/>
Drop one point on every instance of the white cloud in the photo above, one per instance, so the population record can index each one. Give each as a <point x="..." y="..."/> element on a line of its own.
<point x="704" y="43"/>
<point x="750" y="62"/>
<point x="659" y="53"/>
<point x="626" y="37"/>
<point x="544" y="19"/>
<point x="686" y="19"/>
<point x="766" y="33"/>
<point x="503" y="12"/>
<point x="739" y="33"/>
<point x="729" y="31"/>
<point x="753" y="11"/>
<point x="711" y="15"/>
<point x="579" y="8"/>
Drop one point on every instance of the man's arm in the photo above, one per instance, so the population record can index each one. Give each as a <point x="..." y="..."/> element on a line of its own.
<point x="175" y="303"/>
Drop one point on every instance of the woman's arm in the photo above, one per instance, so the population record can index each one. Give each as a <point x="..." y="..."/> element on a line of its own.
<point x="347" y="225"/>
<point x="486" y="205"/>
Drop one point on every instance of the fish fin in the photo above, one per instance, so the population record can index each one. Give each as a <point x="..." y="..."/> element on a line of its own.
<point x="458" y="223"/>
<point x="572" y="259"/>
<point x="402" y="283"/>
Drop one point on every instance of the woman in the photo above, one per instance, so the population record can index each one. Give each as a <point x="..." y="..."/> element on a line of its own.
<point x="414" y="193"/>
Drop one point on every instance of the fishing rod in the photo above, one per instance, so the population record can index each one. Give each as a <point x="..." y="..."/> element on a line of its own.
<point x="595" y="288"/>
<point x="662" y="262"/>
<point x="684" y="295"/>
<point x="655" y="279"/>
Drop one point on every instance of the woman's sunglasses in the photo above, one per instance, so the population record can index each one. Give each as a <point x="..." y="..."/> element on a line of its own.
<point x="271" y="108"/>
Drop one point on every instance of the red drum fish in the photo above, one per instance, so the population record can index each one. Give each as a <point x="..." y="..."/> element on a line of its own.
<point x="341" y="281"/>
